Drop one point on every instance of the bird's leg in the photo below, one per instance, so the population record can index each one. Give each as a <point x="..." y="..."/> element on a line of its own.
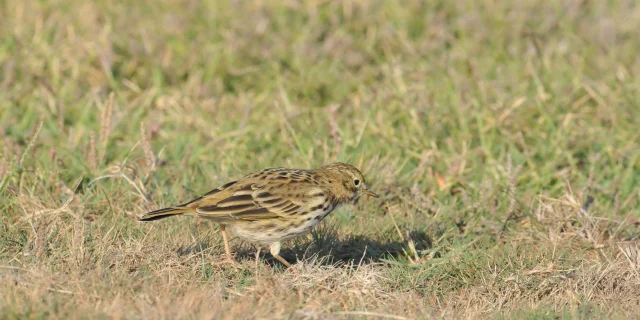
<point x="275" y="252"/>
<point x="227" y="248"/>
<point x="229" y="259"/>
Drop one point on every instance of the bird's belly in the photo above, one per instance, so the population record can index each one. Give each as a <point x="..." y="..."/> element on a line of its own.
<point x="275" y="230"/>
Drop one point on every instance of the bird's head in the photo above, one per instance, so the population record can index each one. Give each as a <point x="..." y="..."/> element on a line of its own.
<point x="346" y="181"/>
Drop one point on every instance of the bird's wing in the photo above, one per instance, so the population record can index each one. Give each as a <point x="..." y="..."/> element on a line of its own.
<point x="256" y="200"/>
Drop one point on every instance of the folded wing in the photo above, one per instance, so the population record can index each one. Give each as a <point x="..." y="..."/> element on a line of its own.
<point x="252" y="200"/>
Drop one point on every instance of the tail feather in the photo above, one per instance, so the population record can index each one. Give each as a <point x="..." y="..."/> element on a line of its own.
<point x="164" y="213"/>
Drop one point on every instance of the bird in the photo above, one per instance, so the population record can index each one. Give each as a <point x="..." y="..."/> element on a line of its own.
<point x="273" y="205"/>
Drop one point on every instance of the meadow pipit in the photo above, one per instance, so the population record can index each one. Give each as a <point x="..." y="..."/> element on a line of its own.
<point x="274" y="205"/>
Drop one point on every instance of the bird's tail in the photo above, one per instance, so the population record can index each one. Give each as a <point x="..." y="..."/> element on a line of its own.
<point x="165" y="213"/>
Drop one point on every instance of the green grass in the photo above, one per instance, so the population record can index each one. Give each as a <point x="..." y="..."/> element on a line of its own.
<point x="501" y="136"/>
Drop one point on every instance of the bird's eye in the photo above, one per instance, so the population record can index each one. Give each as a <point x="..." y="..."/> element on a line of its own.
<point x="356" y="182"/>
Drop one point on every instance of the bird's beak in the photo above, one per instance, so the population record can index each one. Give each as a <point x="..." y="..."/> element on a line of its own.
<point x="370" y="193"/>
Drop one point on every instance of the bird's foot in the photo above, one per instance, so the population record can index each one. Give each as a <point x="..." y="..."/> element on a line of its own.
<point x="227" y="261"/>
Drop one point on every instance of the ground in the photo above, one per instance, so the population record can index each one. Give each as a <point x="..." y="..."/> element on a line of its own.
<point x="502" y="137"/>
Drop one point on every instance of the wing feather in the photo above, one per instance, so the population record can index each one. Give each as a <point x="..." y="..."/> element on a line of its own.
<point x="254" y="200"/>
<point x="236" y="200"/>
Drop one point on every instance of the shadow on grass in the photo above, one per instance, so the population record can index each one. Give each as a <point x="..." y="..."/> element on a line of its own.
<point x="324" y="245"/>
<point x="328" y="249"/>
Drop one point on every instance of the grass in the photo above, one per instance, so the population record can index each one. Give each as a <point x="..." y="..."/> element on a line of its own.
<point x="502" y="137"/>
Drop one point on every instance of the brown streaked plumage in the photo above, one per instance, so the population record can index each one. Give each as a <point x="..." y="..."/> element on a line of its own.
<point x="274" y="205"/>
